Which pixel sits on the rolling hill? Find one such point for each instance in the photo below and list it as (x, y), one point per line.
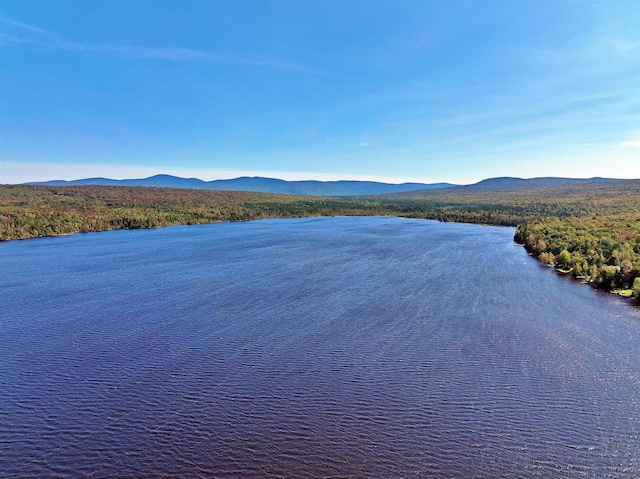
(258, 184)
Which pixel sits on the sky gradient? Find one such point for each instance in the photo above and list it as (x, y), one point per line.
(394, 91)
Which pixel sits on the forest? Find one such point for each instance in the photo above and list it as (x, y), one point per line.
(590, 231)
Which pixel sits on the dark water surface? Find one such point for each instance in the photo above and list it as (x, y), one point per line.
(346, 347)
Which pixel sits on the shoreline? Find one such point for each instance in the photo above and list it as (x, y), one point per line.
(622, 293)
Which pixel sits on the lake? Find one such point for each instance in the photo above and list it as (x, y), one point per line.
(308, 348)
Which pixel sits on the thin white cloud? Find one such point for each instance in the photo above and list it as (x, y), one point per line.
(24, 33)
(26, 27)
(174, 54)
(632, 143)
(13, 172)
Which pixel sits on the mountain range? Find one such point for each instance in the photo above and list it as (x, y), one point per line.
(328, 188)
(259, 184)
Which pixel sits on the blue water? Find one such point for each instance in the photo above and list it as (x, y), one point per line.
(325, 347)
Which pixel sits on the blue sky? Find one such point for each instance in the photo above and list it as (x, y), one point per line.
(394, 91)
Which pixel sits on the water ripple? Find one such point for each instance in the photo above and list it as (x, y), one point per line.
(345, 347)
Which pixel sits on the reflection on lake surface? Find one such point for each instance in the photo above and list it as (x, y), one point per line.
(344, 347)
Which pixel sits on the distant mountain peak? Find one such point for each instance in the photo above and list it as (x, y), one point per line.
(260, 184)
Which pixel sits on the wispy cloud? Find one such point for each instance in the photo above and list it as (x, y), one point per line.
(632, 143)
(23, 33)
(26, 27)
(174, 54)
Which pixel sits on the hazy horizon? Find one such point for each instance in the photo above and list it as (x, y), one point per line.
(381, 91)
(323, 178)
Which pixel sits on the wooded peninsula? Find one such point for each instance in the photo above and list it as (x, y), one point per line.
(589, 229)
